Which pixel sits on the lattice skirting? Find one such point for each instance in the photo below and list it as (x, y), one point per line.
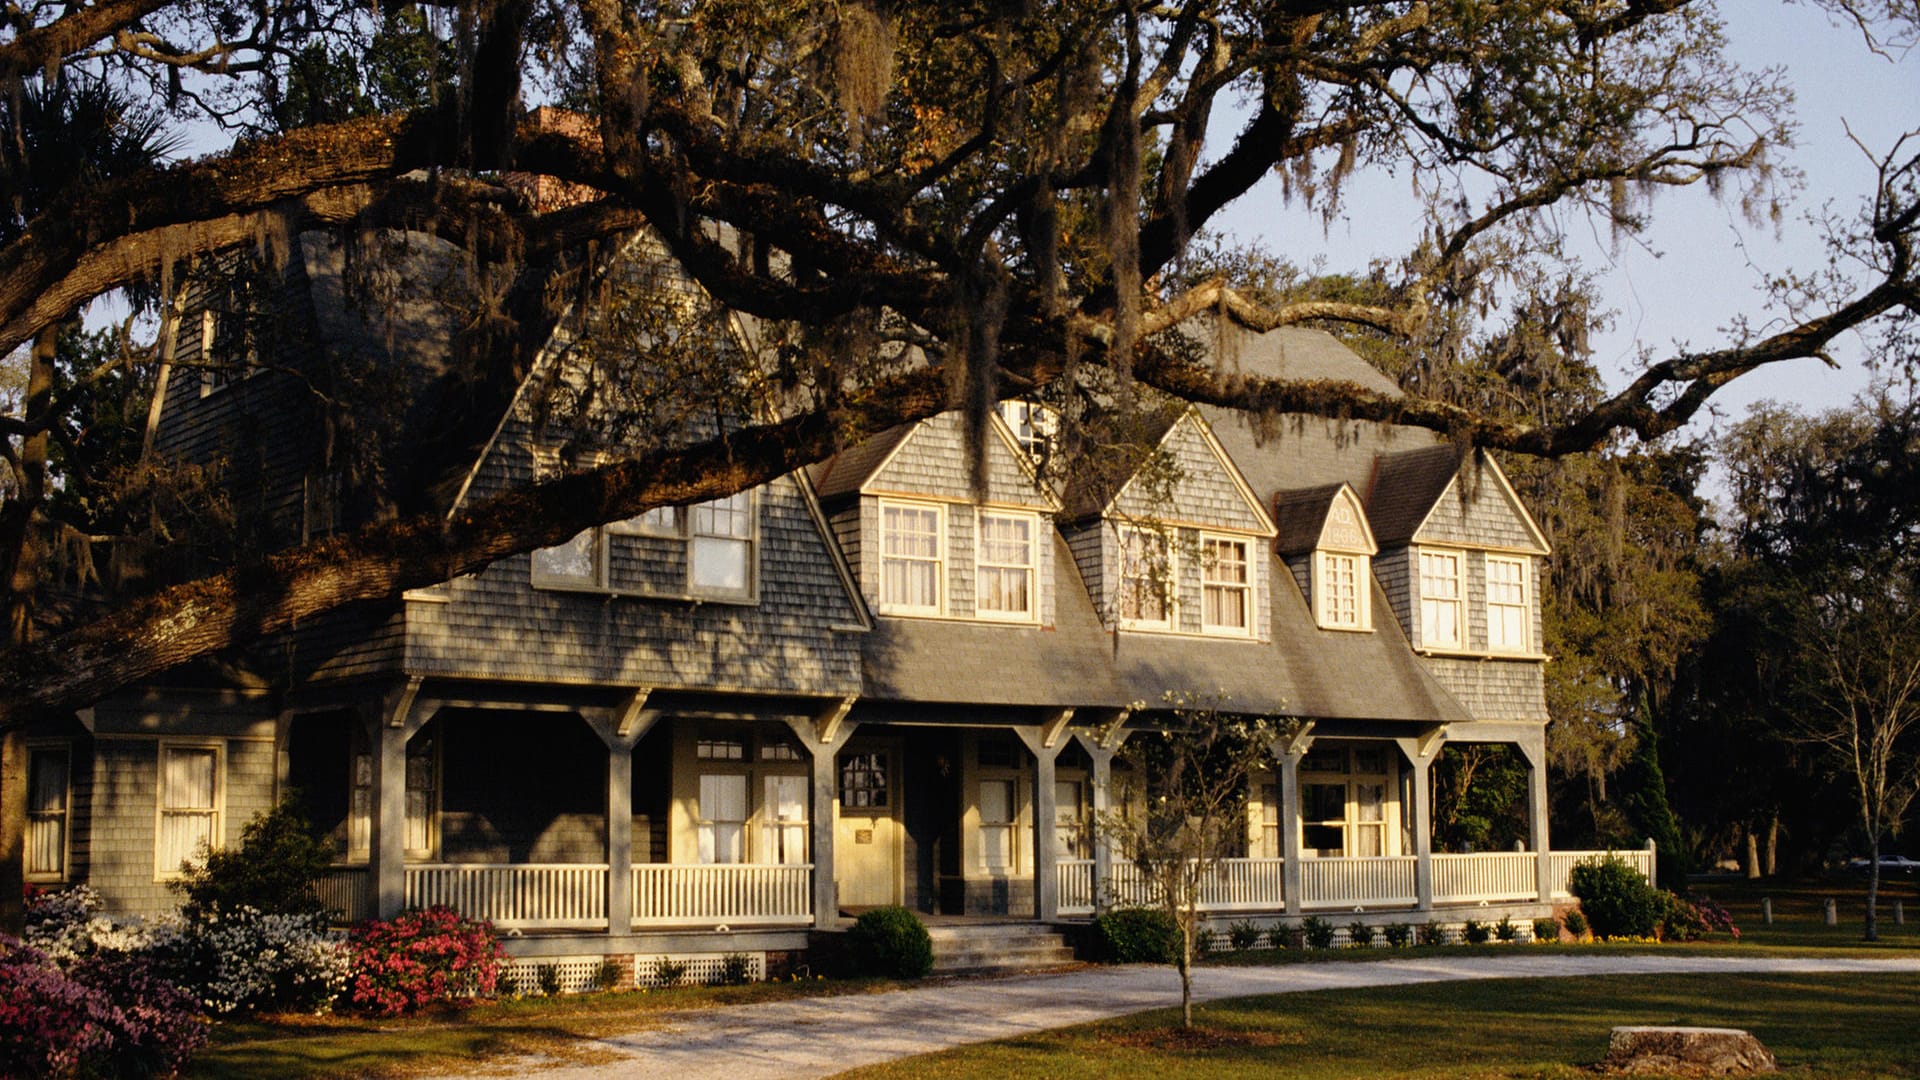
(700, 969)
(575, 974)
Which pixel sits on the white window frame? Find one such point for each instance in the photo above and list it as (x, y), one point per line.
(750, 572)
(1519, 609)
(422, 816)
(64, 815)
(664, 521)
(215, 377)
(1031, 567)
(162, 810)
(776, 831)
(1431, 604)
(1170, 587)
(1032, 426)
(1008, 830)
(707, 827)
(938, 559)
(1326, 599)
(1209, 566)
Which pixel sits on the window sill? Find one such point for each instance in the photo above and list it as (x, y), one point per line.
(1480, 654)
(734, 600)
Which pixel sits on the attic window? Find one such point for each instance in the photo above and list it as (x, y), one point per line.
(1146, 580)
(227, 350)
(1506, 604)
(1340, 600)
(1032, 425)
(1440, 601)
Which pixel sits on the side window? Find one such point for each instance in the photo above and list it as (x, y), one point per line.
(189, 806)
(1507, 604)
(1440, 614)
(49, 800)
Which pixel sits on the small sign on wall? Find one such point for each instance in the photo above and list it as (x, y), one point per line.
(863, 836)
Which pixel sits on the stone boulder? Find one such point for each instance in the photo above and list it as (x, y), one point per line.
(1699, 1051)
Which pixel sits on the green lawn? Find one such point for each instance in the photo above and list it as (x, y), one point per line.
(1849, 1027)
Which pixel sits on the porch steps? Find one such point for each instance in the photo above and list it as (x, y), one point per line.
(1011, 946)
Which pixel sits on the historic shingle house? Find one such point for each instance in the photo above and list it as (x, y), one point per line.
(880, 680)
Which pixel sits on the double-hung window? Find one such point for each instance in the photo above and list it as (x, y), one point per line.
(720, 549)
(1226, 586)
(575, 564)
(1342, 604)
(1506, 604)
(189, 806)
(1146, 579)
(784, 817)
(1440, 600)
(911, 558)
(996, 825)
(1005, 570)
(722, 818)
(49, 791)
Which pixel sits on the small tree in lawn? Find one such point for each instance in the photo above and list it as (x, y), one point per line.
(1184, 807)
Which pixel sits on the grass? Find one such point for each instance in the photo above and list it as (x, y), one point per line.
(1842, 1027)
(300, 1047)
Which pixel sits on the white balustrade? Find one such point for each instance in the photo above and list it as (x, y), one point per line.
(734, 894)
(1074, 880)
(1357, 882)
(1243, 885)
(344, 893)
(1563, 862)
(1492, 876)
(545, 896)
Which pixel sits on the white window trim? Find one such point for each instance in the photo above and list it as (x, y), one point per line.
(939, 560)
(1246, 589)
(162, 872)
(1525, 605)
(558, 583)
(1362, 587)
(1171, 586)
(1032, 567)
(748, 595)
(1458, 600)
(66, 813)
(638, 526)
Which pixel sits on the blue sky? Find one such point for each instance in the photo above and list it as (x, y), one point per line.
(1703, 262)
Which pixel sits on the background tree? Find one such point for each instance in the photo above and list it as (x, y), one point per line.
(1183, 807)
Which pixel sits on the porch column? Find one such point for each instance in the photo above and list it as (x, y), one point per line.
(823, 736)
(1535, 751)
(1044, 743)
(391, 721)
(620, 728)
(1292, 873)
(1419, 753)
(1102, 760)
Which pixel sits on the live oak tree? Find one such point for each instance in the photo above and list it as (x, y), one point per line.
(916, 207)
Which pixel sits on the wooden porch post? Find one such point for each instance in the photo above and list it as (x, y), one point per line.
(1102, 759)
(1045, 743)
(823, 735)
(1535, 751)
(621, 728)
(393, 723)
(1288, 752)
(1419, 753)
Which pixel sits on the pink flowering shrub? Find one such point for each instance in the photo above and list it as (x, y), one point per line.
(419, 958)
(1693, 917)
(110, 1015)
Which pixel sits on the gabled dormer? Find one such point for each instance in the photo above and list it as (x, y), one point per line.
(1326, 541)
(1180, 548)
(1463, 556)
(924, 543)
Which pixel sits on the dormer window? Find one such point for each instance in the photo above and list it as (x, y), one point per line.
(1342, 566)
(912, 558)
(1341, 600)
(721, 539)
(1032, 425)
(1506, 604)
(1441, 617)
(1005, 571)
(720, 548)
(1146, 580)
(1226, 586)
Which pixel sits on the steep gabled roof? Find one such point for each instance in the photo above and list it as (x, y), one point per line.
(1294, 353)
(1302, 518)
(845, 472)
(929, 458)
(1187, 428)
(1405, 488)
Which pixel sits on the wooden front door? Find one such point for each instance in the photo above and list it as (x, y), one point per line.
(867, 836)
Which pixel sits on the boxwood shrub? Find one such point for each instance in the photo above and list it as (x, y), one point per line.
(1617, 901)
(890, 941)
(1135, 936)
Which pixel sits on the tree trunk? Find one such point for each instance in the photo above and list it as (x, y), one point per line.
(1873, 889)
(22, 557)
(1773, 844)
(1186, 975)
(1753, 853)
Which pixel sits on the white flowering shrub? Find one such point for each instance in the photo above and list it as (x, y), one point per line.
(251, 961)
(69, 927)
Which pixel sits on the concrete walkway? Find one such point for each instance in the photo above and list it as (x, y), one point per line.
(816, 1037)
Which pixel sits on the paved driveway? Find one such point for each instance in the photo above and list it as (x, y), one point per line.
(815, 1037)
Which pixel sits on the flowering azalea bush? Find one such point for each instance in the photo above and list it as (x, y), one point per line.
(1691, 918)
(254, 961)
(111, 1014)
(68, 927)
(422, 957)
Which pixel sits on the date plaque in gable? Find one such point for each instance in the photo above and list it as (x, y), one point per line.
(863, 836)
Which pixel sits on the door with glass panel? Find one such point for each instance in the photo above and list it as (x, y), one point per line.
(867, 834)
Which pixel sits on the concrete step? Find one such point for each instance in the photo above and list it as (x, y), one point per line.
(997, 947)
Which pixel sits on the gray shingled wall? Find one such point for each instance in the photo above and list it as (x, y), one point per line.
(960, 554)
(1493, 689)
(1089, 541)
(934, 462)
(496, 625)
(1394, 569)
(1475, 512)
(1206, 493)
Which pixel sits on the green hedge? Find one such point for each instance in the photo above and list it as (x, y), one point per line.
(1617, 901)
(1135, 936)
(890, 941)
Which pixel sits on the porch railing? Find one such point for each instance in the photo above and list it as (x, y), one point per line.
(522, 896)
(1073, 878)
(1563, 862)
(343, 890)
(1357, 881)
(1243, 885)
(734, 894)
(1493, 876)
